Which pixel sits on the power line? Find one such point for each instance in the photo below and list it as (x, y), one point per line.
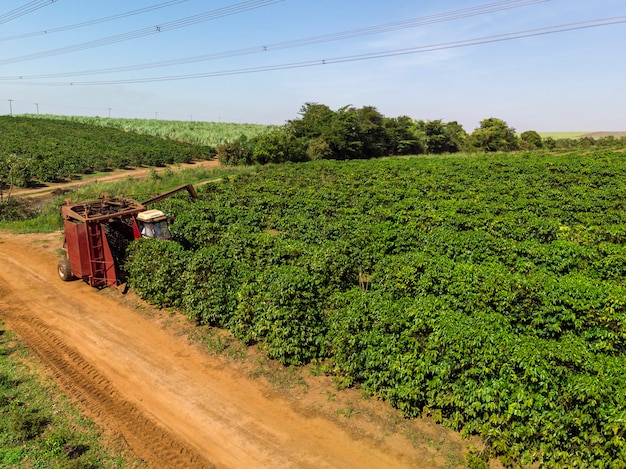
(370, 56)
(92, 22)
(24, 10)
(98, 109)
(351, 34)
(155, 29)
(29, 103)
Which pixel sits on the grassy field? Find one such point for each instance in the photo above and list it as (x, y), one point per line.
(580, 134)
(559, 135)
(197, 133)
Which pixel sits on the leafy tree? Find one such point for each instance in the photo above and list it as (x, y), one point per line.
(315, 121)
(329, 134)
(344, 135)
(318, 149)
(403, 136)
(550, 143)
(234, 153)
(14, 171)
(276, 146)
(353, 133)
(372, 132)
(494, 135)
(442, 137)
(457, 136)
(530, 140)
(587, 142)
(436, 140)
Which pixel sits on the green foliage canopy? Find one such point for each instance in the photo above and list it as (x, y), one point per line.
(494, 135)
(486, 291)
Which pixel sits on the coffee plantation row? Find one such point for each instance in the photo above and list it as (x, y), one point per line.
(486, 291)
(46, 150)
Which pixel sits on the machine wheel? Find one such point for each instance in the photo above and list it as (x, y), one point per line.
(65, 270)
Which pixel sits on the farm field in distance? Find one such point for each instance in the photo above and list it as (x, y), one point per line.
(195, 132)
(556, 135)
(580, 134)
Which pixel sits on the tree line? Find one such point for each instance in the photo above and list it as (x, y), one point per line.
(321, 133)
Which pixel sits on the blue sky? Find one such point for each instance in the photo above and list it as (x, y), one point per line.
(563, 81)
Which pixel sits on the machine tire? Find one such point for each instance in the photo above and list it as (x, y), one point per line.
(65, 270)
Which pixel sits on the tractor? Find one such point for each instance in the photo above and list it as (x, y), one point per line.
(97, 234)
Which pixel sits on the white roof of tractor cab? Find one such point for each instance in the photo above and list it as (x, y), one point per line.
(151, 216)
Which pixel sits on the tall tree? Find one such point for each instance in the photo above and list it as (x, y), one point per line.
(315, 120)
(494, 135)
(530, 140)
(403, 136)
(457, 137)
(442, 137)
(372, 132)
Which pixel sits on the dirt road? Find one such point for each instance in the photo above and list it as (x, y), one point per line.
(110, 177)
(175, 406)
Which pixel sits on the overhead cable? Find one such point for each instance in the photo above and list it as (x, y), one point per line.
(24, 10)
(614, 20)
(92, 22)
(343, 35)
(155, 29)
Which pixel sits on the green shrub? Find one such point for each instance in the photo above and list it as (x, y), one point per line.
(156, 269)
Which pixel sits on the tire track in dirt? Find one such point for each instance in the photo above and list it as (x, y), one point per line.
(98, 398)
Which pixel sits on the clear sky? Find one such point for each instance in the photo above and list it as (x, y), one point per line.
(259, 61)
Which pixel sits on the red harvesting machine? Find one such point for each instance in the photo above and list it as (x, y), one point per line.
(97, 234)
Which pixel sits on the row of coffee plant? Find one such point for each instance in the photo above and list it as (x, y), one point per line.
(43, 150)
(486, 291)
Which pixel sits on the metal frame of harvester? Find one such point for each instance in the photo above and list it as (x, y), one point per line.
(98, 232)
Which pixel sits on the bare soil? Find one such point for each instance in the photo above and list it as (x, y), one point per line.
(135, 371)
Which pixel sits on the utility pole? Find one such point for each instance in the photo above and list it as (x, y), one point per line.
(109, 112)
(37, 104)
(10, 107)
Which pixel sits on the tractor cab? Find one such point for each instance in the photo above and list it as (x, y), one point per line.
(153, 224)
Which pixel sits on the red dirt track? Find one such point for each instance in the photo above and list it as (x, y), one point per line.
(175, 406)
(111, 177)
